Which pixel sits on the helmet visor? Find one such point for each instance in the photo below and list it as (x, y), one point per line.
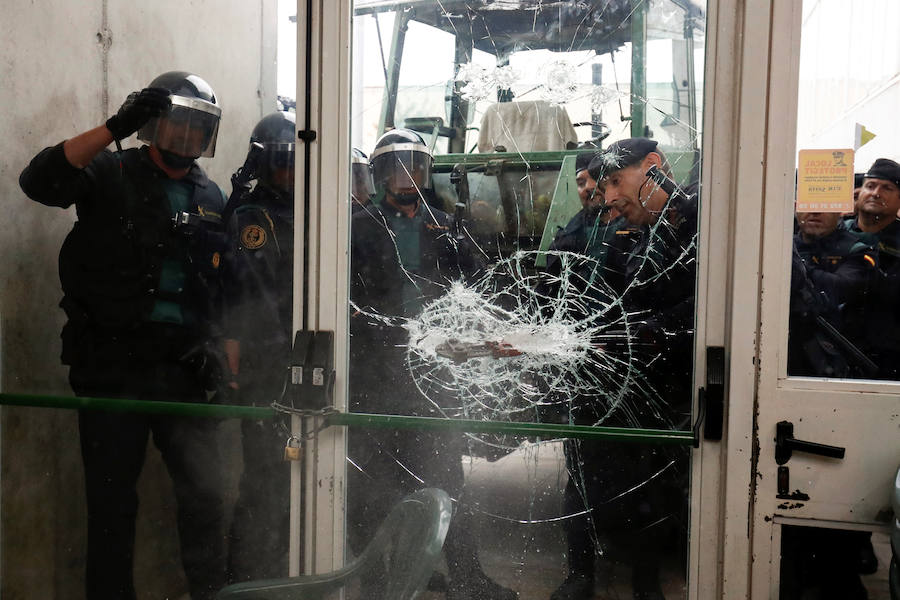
(188, 128)
(361, 184)
(400, 169)
(275, 157)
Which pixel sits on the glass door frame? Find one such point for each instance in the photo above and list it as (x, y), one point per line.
(717, 510)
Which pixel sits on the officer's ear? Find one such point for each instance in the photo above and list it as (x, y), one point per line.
(652, 159)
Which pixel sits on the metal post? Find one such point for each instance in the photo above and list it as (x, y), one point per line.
(639, 68)
(392, 85)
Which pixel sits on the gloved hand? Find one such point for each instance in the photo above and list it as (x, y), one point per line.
(137, 109)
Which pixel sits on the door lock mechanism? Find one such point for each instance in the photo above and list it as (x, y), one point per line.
(786, 443)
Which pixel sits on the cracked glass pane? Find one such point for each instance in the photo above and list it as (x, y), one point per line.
(523, 262)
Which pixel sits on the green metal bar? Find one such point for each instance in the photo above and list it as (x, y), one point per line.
(445, 162)
(459, 108)
(392, 85)
(188, 409)
(638, 68)
(547, 430)
(181, 409)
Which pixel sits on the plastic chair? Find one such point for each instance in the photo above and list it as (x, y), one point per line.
(404, 552)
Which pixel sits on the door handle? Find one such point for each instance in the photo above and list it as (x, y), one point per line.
(785, 443)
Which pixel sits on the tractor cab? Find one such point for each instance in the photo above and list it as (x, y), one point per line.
(506, 94)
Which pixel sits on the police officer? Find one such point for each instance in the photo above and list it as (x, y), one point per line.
(833, 268)
(139, 273)
(590, 232)
(362, 189)
(258, 291)
(872, 322)
(403, 254)
(631, 493)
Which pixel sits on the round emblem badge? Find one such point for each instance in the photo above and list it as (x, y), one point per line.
(215, 260)
(253, 237)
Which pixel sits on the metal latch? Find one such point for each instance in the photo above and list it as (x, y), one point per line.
(312, 370)
(712, 395)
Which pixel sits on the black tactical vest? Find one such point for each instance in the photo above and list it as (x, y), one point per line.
(111, 262)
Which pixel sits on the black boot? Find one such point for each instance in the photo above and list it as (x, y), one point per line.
(577, 586)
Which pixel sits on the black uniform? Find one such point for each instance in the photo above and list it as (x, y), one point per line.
(398, 264)
(587, 235)
(258, 291)
(141, 300)
(828, 272)
(634, 493)
(872, 321)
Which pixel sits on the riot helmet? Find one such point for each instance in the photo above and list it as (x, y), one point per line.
(190, 126)
(276, 132)
(401, 165)
(361, 187)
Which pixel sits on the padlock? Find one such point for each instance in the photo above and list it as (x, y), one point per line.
(293, 450)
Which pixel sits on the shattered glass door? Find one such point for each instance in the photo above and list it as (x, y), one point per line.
(523, 261)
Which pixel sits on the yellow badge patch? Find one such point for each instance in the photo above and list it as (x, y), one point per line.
(253, 237)
(215, 260)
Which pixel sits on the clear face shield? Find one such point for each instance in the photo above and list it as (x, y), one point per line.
(276, 166)
(361, 186)
(188, 128)
(402, 169)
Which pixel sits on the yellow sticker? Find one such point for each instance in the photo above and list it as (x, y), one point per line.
(825, 181)
(253, 237)
(215, 260)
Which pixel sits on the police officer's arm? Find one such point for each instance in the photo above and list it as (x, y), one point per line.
(233, 358)
(81, 149)
(52, 180)
(55, 178)
(852, 278)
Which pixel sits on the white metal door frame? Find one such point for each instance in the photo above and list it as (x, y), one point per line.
(850, 402)
(321, 232)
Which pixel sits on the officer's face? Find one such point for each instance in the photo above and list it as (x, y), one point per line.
(588, 193)
(282, 178)
(629, 191)
(879, 198)
(817, 224)
(405, 183)
(180, 138)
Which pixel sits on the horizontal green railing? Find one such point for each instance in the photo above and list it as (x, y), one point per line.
(151, 407)
(188, 409)
(543, 430)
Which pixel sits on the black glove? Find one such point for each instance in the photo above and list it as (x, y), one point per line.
(137, 109)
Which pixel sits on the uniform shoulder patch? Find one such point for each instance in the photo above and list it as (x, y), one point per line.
(253, 237)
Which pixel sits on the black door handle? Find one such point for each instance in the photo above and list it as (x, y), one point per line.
(785, 443)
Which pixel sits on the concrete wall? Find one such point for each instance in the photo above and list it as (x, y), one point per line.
(64, 67)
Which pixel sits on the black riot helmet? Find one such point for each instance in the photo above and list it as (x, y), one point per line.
(361, 187)
(276, 132)
(190, 126)
(401, 165)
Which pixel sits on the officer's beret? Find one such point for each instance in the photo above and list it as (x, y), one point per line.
(583, 160)
(858, 179)
(621, 154)
(884, 168)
